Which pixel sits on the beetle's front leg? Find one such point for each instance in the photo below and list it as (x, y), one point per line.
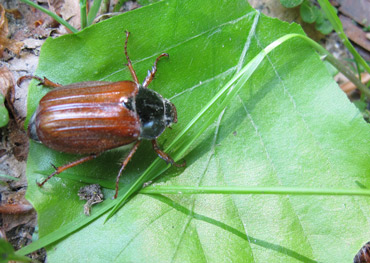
(164, 156)
(151, 73)
(44, 82)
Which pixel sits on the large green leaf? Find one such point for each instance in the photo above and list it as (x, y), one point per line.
(289, 126)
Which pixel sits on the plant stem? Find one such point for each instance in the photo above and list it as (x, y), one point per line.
(105, 6)
(118, 6)
(83, 13)
(338, 27)
(48, 12)
(336, 63)
(94, 9)
(349, 74)
(252, 190)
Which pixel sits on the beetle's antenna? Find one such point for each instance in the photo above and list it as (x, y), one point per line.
(129, 64)
(151, 73)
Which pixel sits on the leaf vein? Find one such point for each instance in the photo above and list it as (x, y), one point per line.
(273, 166)
(138, 233)
(181, 43)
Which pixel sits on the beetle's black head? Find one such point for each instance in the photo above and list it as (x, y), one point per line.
(155, 113)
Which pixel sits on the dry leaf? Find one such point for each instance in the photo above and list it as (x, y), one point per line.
(9, 44)
(70, 12)
(10, 221)
(7, 85)
(14, 12)
(6, 81)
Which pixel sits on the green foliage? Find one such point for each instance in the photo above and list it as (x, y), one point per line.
(4, 115)
(7, 253)
(331, 14)
(362, 106)
(147, 2)
(310, 13)
(8, 177)
(291, 3)
(94, 9)
(331, 69)
(289, 126)
(323, 24)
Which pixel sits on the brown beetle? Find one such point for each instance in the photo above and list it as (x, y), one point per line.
(95, 116)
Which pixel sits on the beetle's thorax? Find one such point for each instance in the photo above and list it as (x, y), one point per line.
(155, 113)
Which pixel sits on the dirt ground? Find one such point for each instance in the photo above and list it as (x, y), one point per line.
(27, 29)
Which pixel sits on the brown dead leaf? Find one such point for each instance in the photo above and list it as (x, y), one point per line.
(9, 44)
(355, 33)
(12, 220)
(15, 208)
(18, 140)
(14, 12)
(55, 5)
(6, 80)
(7, 85)
(357, 10)
(70, 12)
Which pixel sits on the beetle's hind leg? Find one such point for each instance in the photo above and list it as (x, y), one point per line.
(152, 72)
(60, 169)
(129, 64)
(164, 156)
(44, 82)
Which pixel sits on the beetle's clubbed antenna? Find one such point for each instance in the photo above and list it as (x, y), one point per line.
(129, 64)
(152, 72)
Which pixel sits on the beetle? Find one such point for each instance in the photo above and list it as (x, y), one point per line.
(89, 118)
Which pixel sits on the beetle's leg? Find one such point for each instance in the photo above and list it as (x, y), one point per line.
(44, 82)
(165, 156)
(124, 163)
(60, 169)
(152, 72)
(129, 64)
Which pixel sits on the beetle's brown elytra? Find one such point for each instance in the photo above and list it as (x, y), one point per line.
(92, 117)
